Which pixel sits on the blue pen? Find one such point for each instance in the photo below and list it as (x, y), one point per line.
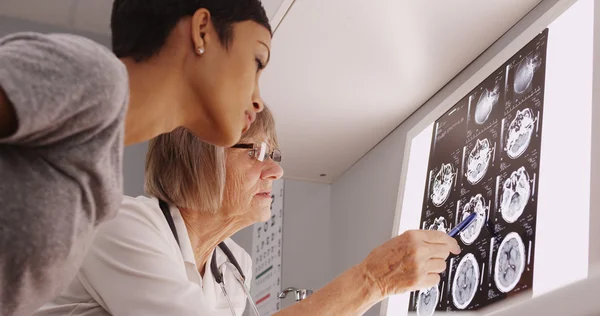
(463, 225)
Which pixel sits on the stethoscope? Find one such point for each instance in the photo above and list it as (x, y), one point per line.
(217, 273)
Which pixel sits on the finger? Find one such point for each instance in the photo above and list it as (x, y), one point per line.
(438, 237)
(455, 248)
(438, 251)
(452, 247)
(435, 266)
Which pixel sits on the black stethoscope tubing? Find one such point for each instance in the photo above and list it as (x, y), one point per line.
(213, 264)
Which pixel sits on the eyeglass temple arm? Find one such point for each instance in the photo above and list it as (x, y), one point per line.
(250, 146)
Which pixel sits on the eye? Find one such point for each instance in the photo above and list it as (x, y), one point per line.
(259, 65)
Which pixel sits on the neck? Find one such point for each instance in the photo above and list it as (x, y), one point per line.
(206, 231)
(154, 100)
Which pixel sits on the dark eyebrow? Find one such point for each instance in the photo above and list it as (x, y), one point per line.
(268, 50)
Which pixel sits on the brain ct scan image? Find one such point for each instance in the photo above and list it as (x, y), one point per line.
(519, 133)
(487, 100)
(476, 205)
(515, 195)
(466, 280)
(481, 160)
(478, 161)
(439, 224)
(510, 262)
(427, 301)
(442, 184)
(524, 73)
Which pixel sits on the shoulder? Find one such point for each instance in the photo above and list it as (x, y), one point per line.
(138, 232)
(141, 207)
(67, 50)
(64, 64)
(137, 216)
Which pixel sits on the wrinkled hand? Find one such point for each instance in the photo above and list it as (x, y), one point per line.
(409, 262)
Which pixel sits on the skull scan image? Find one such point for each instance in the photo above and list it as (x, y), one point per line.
(442, 185)
(427, 301)
(466, 280)
(510, 262)
(515, 195)
(519, 133)
(487, 100)
(524, 73)
(476, 205)
(478, 161)
(439, 224)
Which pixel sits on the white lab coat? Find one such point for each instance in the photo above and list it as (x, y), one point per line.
(135, 267)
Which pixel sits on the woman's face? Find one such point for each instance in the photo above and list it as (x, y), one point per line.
(248, 184)
(225, 79)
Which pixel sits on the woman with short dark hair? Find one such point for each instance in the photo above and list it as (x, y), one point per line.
(68, 105)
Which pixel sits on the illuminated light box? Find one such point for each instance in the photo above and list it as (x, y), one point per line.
(516, 150)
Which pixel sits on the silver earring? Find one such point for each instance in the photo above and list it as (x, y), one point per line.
(200, 50)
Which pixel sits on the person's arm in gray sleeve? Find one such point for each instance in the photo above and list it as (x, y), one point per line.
(59, 86)
(63, 101)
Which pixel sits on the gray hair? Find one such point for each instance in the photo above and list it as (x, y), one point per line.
(184, 171)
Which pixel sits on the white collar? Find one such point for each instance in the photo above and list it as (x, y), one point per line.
(212, 291)
(187, 251)
(185, 245)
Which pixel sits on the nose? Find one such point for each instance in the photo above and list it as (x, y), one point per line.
(271, 170)
(257, 100)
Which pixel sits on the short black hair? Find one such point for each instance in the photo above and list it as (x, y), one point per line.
(140, 27)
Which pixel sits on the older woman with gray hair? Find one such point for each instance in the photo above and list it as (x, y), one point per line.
(171, 253)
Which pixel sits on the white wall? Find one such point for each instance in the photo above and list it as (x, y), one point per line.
(594, 254)
(134, 160)
(10, 25)
(306, 240)
(363, 201)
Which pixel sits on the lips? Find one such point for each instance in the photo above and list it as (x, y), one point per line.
(266, 194)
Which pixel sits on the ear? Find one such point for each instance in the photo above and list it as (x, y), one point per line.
(201, 26)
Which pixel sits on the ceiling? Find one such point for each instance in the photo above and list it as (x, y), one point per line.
(93, 15)
(344, 73)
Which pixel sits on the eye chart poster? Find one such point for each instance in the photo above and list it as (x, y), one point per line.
(484, 159)
(266, 256)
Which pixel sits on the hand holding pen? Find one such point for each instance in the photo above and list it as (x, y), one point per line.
(411, 261)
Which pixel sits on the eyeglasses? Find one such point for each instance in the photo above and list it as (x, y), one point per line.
(261, 151)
